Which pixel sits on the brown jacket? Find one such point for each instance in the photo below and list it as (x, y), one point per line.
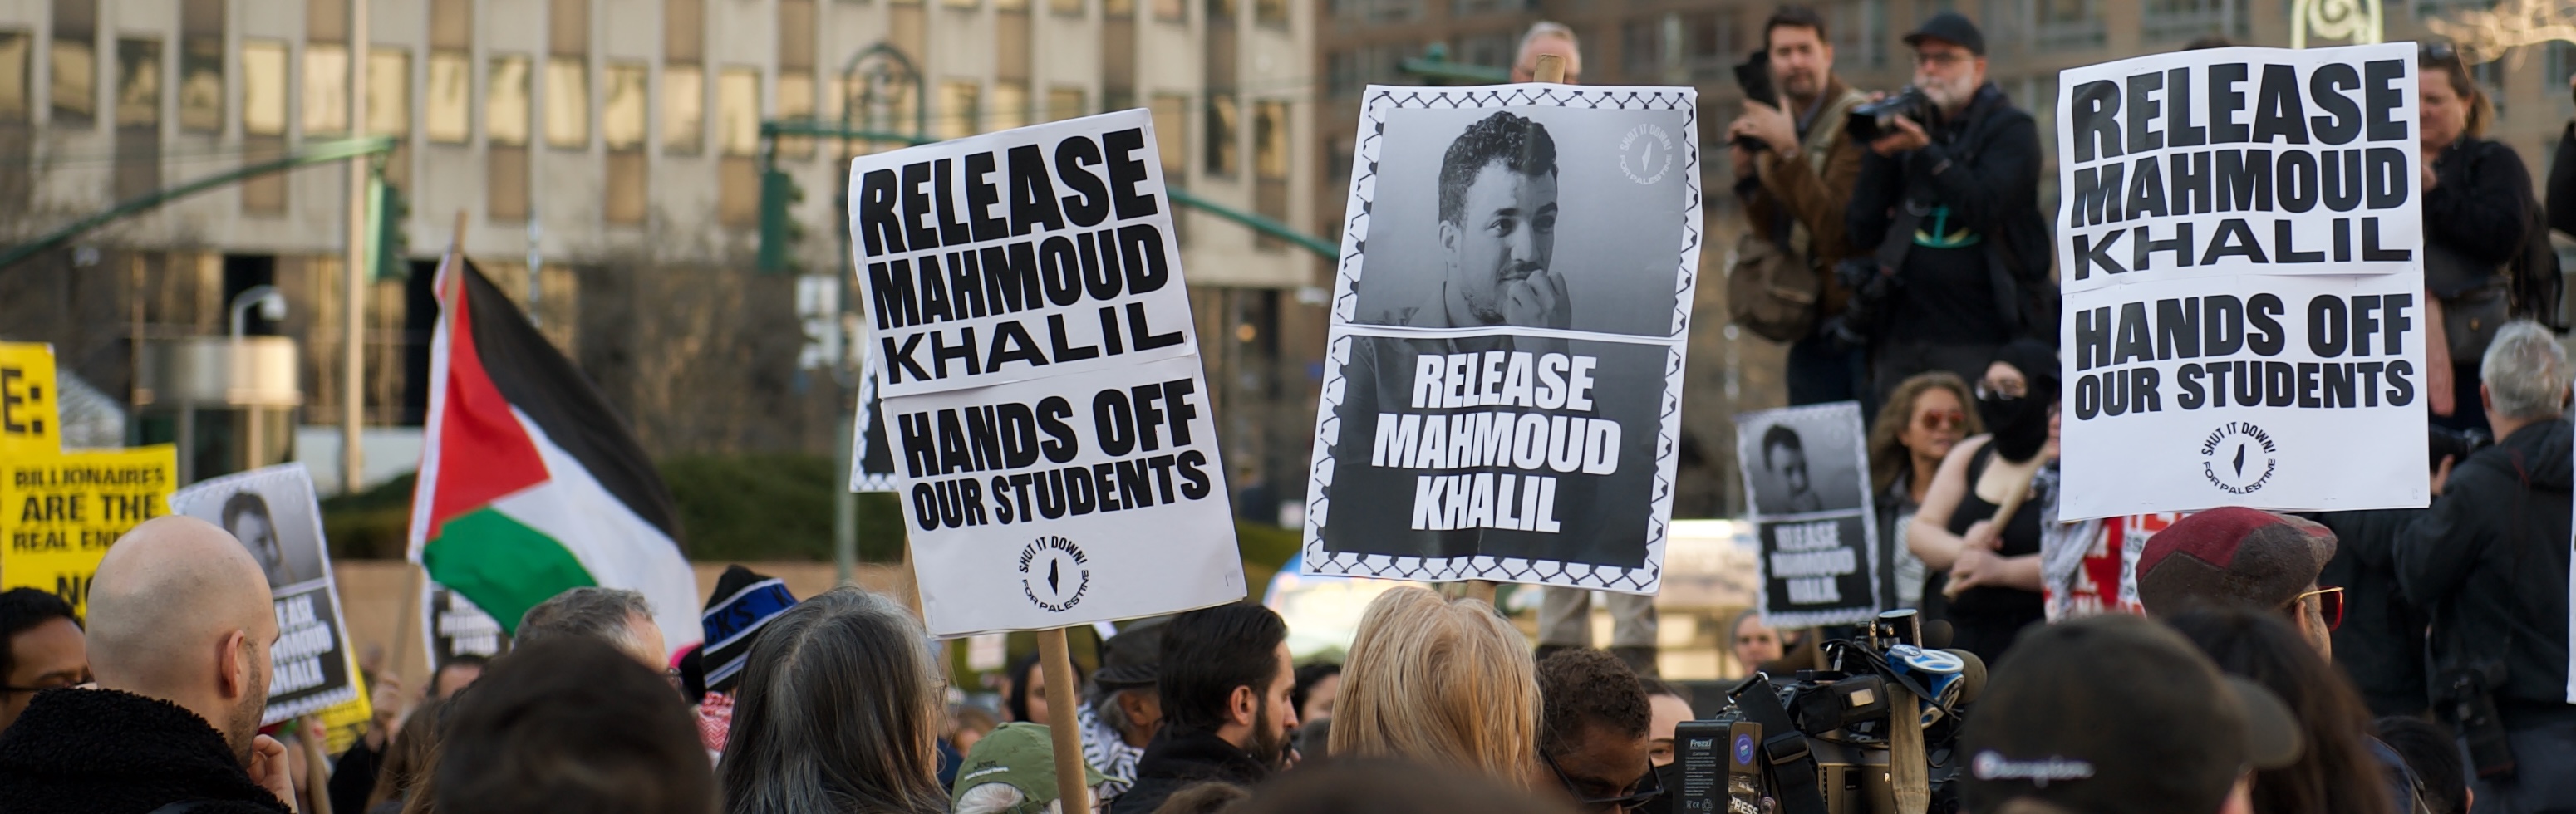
(1814, 188)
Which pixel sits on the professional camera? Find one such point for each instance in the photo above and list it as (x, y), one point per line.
(2458, 445)
(1870, 120)
(1754, 76)
(1834, 740)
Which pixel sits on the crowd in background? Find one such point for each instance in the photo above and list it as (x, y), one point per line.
(2231, 660)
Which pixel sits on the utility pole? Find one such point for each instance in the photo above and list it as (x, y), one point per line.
(353, 370)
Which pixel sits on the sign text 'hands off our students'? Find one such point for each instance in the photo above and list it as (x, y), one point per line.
(1038, 392)
(2242, 245)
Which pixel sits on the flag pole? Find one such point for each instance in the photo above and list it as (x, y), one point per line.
(1057, 660)
(407, 634)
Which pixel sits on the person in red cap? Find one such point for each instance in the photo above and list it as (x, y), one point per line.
(2233, 555)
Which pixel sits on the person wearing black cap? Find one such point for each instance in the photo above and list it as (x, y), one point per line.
(1948, 201)
(1119, 715)
(1979, 529)
(2115, 714)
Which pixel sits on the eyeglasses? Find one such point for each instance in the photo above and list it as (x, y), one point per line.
(2329, 605)
(1940, 59)
(1943, 419)
(1639, 792)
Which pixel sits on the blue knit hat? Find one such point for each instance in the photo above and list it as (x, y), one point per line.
(743, 603)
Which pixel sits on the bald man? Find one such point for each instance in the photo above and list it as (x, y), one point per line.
(180, 627)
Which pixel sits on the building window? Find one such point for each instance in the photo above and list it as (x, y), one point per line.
(1270, 12)
(389, 92)
(74, 60)
(15, 48)
(1860, 32)
(956, 115)
(1172, 11)
(451, 97)
(738, 111)
(263, 70)
(1222, 116)
(1374, 11)
(2171, 20)
(1641, 48)
(505, 102)
(201, 66)
(2067, 25)
(684, 78)
(138, 86)
(568, 75)
(796, 101)
(622, 109)
(1064, 103)
(1270, 166)
(1118, 8)
(1071, 7)
(684, 109)
(326, 88)
(1171, 112)
(1010, 107)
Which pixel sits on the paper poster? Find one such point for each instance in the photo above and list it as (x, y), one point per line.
(871, 456)
(1806, 475)
(2241, 252)
(1035, 360)
(274, 513)
(61, 510)
(1502, 384)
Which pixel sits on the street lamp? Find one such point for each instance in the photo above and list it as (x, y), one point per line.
(270, 302)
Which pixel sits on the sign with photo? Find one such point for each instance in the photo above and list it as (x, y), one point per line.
(1502, 386)
(1036, 368)
(273, 512)
(1806, 475)
(2242, 254)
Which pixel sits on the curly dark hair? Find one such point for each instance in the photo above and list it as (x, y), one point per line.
(1780, 436)
(1520, 145)
(1584, 687)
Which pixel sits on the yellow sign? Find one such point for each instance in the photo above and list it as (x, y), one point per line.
(28, 424)
(59, 511)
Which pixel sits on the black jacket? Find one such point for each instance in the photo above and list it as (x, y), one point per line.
(2477, 210)
(112, 752)
(1178, 759)
(1984, 165)
(2488, 562)
(2381, 643)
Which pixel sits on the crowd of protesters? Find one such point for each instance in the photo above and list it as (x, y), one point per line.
(2230, 660)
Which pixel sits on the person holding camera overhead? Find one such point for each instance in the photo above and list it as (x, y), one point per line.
(1946, 210)
(1794, 168)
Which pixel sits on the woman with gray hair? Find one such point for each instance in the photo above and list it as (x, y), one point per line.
(838, 712)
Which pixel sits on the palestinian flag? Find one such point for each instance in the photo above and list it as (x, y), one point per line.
(529, 483)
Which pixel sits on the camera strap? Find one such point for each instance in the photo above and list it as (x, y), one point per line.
(1793, 764)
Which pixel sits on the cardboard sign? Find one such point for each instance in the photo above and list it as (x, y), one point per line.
(60, 511)
(1502, 385)
(2243, 261)
(274, 513)
(1806, 474)
(1037, 368)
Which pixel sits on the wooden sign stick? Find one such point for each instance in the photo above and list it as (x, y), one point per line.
(1062, 696)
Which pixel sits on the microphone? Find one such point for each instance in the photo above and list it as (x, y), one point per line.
(1936, 634)
(1972, 676)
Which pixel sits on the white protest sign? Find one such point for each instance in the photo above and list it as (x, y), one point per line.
(274, 513)
(2242, 259)
(1806, 474)
(1502, 384)
(1034, 357)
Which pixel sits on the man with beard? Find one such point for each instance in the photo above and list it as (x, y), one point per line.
(180, 627)
(1225, 678)
(1950, 205)
(1796, 188)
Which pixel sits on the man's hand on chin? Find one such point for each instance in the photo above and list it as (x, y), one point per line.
(1538, 301)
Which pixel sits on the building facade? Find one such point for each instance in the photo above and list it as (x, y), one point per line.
(616, 145)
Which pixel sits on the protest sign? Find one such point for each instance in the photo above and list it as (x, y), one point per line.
(1806, 475)
(453, 626)
(1488, 412)
(274, 514)
(2242, 258)
(1037, 369)
(61, 510)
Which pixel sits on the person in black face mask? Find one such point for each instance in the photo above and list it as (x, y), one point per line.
(1979, 529)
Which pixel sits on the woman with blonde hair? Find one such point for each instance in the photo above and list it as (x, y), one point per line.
(1440, 681)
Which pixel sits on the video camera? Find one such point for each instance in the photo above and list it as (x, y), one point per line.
(1870, 120)
(1832, 741)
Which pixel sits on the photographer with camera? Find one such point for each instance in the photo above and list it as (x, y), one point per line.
(1948, 202)
(1794, 168)
(2489, 562)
